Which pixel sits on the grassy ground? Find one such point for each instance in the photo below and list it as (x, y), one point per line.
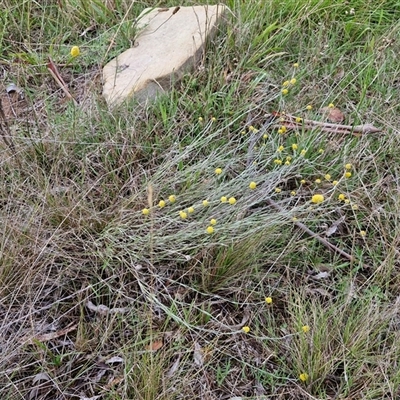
(99, 301)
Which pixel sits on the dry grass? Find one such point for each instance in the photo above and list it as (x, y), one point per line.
(99, 301)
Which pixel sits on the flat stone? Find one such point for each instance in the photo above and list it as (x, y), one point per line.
(170, 42)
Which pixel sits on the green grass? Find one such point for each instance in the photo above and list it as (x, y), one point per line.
(89, 285)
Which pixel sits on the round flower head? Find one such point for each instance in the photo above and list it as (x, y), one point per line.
(305, 328)
(190, 210)
(218, 171)
(268, 300)
(224, 199)
(303, 377)
(285, 91)
(75, 51)
(348, 166)
(246, 329)
(232, 200)
(252, 185)
(213, 221)
(172, 198)
(183, 214)
(161, 204)
(317, 198)
(205, 203)
(210, 230)
(145, 211)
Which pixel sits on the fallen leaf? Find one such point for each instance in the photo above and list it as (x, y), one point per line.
(333, 114)
(198, 355)
(154, 346)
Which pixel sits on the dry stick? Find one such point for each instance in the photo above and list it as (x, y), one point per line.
(313, 234)
(290, 120)
(60, 81)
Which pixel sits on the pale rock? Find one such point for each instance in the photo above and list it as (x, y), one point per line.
(170, 42)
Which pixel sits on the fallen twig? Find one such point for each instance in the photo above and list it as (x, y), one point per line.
(292, 122)
(60, 81)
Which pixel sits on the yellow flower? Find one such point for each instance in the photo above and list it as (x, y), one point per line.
(334, 183)
(251, 128)
(327, 177)
(303, 181)
(341, 197)
(224, 199)
(268, 300)
(75, 51)
(347, 174)
(293, 81)
(294, 147)
(205, 203)
(295, 65)
(213, 119)
(331, 105)
(246, 329)
(218, 171)
(317, 198)
(286, 83)
(190, 210)
(285, 91)
(298, 119)
(363, 233)
(252, 185)
(288, 158)
(277, 190)
(303, 377)
(354, 207)
(293, 193)
(283, 128)
(309, 107)
(213, 221)
(232, 200)
(200, 119)
(243, 132)
(318, 180)
(161, 204)
(280, 149)
(347, 201)
(183, 214)
(287, 162)
(265, 136)
(145, 211)
(295, 219)
(303, 152)
(348, 166)
(280, 131)
(210, 230)
(305, 328)
(320, 151)
(172, 198)
(278, 161)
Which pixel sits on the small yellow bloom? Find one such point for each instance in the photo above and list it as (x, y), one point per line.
(317, 198)
(309, 107)
(210, 230)
(277, 190)
(293, 81)
(288, 158)
(251, 128)
(321, 151)
(232, 200)
(268, 300)
(318, 181)
(327, 177)
(205, 203)
(280, 149)
(305, 328)
(334, 183)
(218, 171)
(213, 119)
(183, 214)
(296, 65)
(200, 119)
(172, 198)
(341, 197)
(303, 181)
(294, 147)
(295, 219)
(213, 221)
(265, 136)
(252, 185)
(278, 161)
(347, 174)
(161, 204)
(246, 329)
(354, 207)
(286, 83)
(287, 162)
(303, 152)
(363, 234)
(331, 105)
(224, 199)
(190, 210)
(303, 377)
(75, 51)
(348, 166)
(347, 201)
(293, 193)
(280, 131)
(298, 119)
(145, 211)
(243, 132)
(283, 128)
(285, 91)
